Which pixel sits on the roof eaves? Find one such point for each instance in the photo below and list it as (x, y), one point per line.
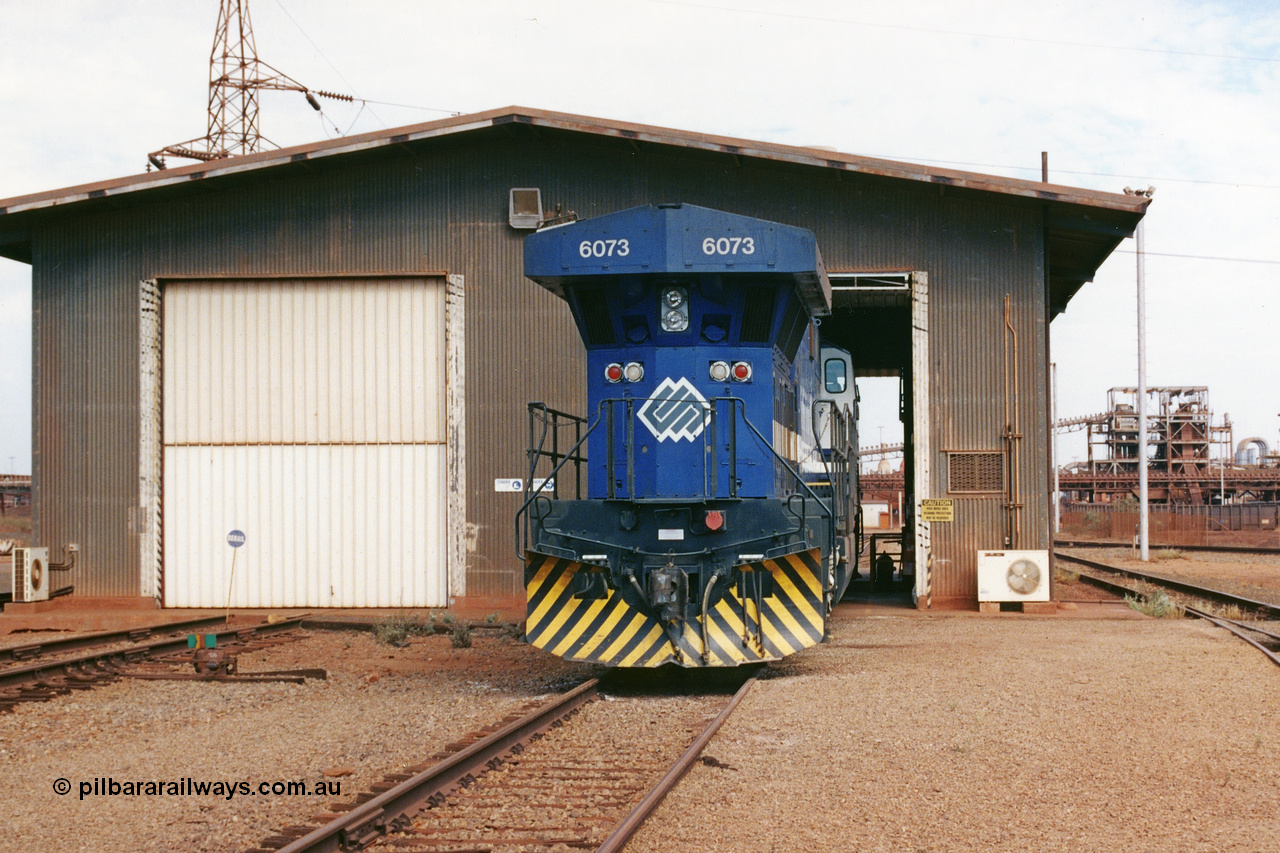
(836, 160)
(644, 133)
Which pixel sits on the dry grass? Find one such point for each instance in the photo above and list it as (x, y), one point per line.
(1157, 604)
(1065, 575)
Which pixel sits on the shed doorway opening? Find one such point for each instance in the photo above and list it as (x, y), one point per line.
(882, 319)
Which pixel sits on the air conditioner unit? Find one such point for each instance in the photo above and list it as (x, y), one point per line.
(30, 574)
(1013, 576)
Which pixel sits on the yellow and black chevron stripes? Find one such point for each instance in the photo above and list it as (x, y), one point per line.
(740, 628)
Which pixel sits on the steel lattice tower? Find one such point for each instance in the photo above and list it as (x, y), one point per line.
(236, 75)
(234, 79)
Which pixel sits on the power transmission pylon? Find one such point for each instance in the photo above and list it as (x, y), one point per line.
(236, 75)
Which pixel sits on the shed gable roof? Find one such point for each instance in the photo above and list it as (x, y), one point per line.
(1082, 226)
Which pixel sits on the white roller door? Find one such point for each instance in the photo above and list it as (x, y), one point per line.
(311, 416)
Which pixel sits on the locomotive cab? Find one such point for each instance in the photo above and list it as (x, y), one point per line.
(718, 505)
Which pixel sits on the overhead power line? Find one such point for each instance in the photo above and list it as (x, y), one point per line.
(1202, 257)
(1036, 169)
(350, 88)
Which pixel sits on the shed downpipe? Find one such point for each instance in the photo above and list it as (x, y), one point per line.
(1013, 431)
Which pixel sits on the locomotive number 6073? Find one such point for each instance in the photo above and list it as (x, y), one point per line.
(605, 248)
(729, 246)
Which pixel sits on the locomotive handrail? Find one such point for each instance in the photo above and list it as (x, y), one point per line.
(826, 509)
(841, 450)
(740, 403)
(604, 414)
(531, 494)
(552, 421)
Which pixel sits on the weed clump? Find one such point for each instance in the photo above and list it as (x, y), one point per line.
(1064, 575)
(1233, 612)
(396, 630)
(1158, 604)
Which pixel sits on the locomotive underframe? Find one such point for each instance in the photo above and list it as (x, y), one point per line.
(752, 587)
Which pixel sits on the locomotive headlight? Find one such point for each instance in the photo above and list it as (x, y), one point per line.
(675, 309)
(634, 371)
(719, 371)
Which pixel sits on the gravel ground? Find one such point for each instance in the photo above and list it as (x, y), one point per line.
(1021, 733)
(1093, 729)
(382, 709)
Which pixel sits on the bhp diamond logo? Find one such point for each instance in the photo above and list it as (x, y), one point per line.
(675, 411)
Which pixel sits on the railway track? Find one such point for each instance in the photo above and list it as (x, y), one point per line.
(117, 654)
(1264, 609)
(551, 778)
(49, 647)
(1218, 549)
(1263, 635)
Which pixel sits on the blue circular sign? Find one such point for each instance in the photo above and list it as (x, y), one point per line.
(235, 538)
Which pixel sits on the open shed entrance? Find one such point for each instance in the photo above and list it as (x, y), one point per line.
(882, 319)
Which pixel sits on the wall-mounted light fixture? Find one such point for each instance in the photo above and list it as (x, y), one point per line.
(524, 207)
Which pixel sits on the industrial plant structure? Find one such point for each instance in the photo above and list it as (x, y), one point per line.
(1190, 458)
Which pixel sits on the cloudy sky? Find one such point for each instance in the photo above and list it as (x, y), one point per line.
(1184, 96)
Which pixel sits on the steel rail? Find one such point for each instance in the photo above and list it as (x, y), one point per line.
(1219, 549)
(646, 807)
(82, 641)
(1266, 607)
(1239, 629)
(100, 662)
(393, 809)
(1235, 627)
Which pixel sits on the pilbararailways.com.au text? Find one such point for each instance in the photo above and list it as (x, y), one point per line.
(188, 787)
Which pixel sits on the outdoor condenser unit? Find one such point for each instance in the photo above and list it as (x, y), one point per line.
(1013, 576)
(30, 574)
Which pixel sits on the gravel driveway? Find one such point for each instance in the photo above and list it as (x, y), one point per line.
(1017, 733)
(1094, 729)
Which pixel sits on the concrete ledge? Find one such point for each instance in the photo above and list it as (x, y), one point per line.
(1041, 608)
(74, 602)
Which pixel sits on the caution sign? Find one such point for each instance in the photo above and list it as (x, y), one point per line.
(937, 509)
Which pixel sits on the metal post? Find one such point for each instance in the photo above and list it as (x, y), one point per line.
(1144, 528)
(1053, 425)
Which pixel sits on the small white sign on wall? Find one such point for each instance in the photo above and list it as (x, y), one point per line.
(503, 484)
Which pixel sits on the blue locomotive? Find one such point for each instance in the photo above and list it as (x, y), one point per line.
(720, 520)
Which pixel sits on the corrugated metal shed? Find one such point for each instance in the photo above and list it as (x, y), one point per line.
(432, 199)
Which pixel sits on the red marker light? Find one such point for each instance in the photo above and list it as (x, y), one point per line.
(613, 373)
(741, 371)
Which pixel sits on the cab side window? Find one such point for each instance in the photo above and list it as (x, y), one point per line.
(835, 376)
